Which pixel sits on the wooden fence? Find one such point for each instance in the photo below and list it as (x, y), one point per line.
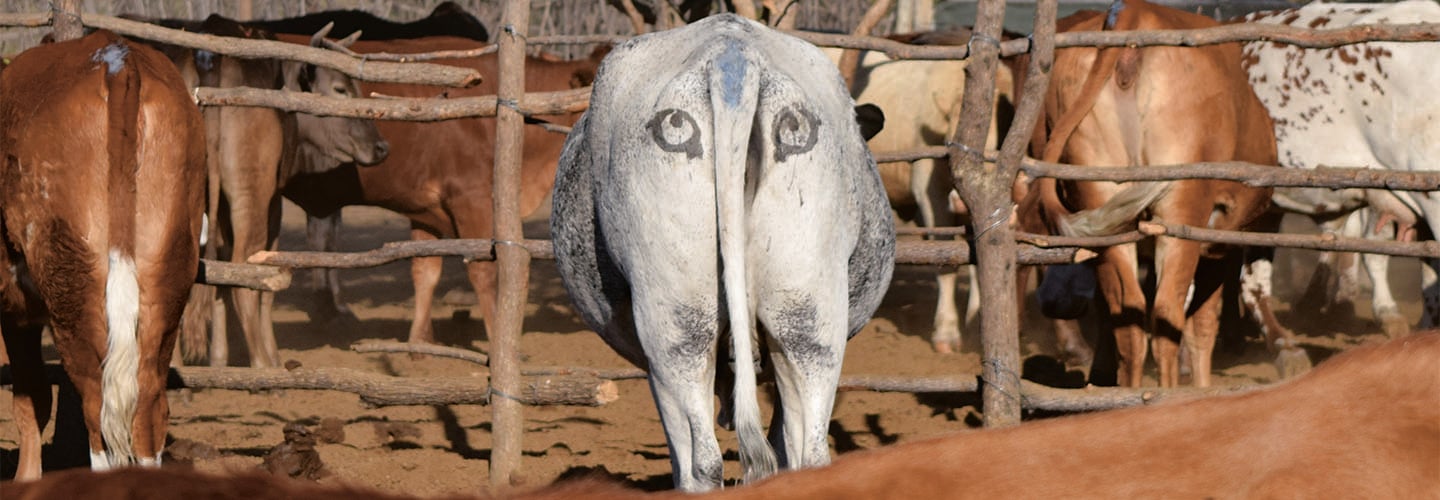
(997, 251)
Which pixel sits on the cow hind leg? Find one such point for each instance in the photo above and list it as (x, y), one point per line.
(806, 353)
(31, 394)
(1127, 305)
(425, 274)
(682, 371)
(322, 234)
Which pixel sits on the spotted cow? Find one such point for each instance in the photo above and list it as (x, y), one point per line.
(719, 179)
(1369, 105)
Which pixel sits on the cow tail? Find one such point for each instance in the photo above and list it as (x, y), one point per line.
(120, 368)
(1122, 64)
(734, 97)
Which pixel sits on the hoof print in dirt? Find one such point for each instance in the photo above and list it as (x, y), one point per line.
(296, 457)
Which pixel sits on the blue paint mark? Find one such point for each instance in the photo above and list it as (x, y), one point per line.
(113, 56)
(732, 66)
(1114, 13)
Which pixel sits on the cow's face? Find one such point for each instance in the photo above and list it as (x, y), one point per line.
(342, 139)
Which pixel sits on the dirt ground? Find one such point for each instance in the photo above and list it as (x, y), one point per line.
(435, 450)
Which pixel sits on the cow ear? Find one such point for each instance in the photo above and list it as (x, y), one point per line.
(871, 120)
(319, 39)
(349, 40)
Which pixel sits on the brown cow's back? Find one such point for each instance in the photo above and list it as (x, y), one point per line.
(101, 198)
(1365, 424)
(440, 174)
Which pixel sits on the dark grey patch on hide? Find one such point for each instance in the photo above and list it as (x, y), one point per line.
(797, 130)
(671, 123)
(697, 328)
(794, 326)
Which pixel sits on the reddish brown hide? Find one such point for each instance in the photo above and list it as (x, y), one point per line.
(439, 174)
(1155, 106)
(101, 188)
(252, 153)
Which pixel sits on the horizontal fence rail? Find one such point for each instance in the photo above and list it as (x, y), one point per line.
(378, 71)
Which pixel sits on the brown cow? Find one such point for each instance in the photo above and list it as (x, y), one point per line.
(1155, 106)
(439, 174)
(101, 188)
(253, 152)
(1365, 424)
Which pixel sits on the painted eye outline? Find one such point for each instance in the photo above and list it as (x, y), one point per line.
(676, 118)
(789, 121)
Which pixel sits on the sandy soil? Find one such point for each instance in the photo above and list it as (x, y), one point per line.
(435, 450)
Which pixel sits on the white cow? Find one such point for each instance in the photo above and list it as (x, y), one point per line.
(1369, 105)
(719, 180)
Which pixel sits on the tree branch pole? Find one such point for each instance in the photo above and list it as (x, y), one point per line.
(513, 260)
(375, 71)
(67, 24)
(986, 190)
(1333, 177)
(850, 59)
(263, 278)
(393, 108)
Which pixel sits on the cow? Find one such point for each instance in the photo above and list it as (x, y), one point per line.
(921, 100)
(438, 174)
(101, 193)
(446, 19)
(1154, 106)
(253, 152)
(1370, 105)
(719, 179)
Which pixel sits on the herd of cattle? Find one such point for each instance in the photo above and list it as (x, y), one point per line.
(717, 213)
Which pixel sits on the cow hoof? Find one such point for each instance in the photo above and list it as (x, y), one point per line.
(1292, 362)
(946, 346)
(1395, 326)
(1078, 358)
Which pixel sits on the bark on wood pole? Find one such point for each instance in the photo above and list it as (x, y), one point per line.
(66, 20)
(986, 190)
(514, 260)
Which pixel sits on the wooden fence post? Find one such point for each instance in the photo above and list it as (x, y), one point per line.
(514, 261)
(65, 15)
(986, 190)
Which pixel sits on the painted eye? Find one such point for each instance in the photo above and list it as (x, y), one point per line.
(675, 131)
(796, 132)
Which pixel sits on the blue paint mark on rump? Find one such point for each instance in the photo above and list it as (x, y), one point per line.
(113, 56)
(1113, 13)
(732, 72)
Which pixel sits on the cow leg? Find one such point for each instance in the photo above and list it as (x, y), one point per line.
(1203, 326)
(1377, 267)
(806, 354)
(484, 279)
(31, 393)
(1175, 265)
(1430, 293)
(162, 303)
(680, 345)
(931, 188)
(322, 234)
(425, 274)
(1127, 305)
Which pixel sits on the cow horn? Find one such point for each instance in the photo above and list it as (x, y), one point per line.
(349, 40)
(319, 38)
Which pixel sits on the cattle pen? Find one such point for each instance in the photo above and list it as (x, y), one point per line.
(994, 248)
